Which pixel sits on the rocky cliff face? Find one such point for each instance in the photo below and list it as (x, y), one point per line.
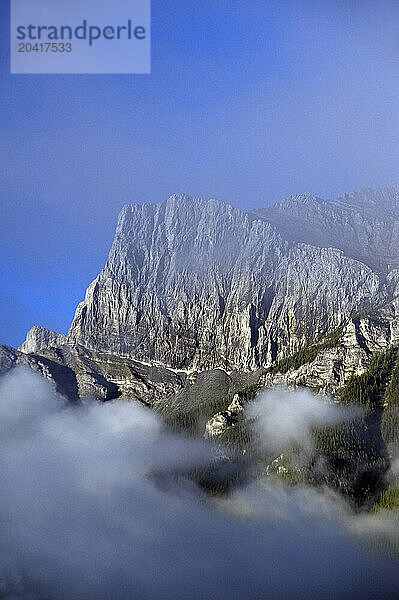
(201, 305)
(62, 378)
(199, 284)
(76, 373)
(364, 224)
(39, 338)
(330, 369)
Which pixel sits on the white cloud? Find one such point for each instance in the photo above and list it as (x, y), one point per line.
(83, 517)
(286, 417)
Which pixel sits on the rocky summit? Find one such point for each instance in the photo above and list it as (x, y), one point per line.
(198, 284)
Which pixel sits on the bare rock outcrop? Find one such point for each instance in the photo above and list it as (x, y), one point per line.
(361, 337)
(62, 378)
(197, 284)
(223, 420)
(363, 224)
(39, 338)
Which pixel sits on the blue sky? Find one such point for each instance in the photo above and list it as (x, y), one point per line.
(248, 101)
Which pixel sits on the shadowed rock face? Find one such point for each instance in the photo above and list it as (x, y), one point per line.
(61, 376)
(76, 373)
(199, 284)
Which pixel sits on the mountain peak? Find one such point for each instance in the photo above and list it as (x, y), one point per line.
(39, 337)
(196, 283)
(363, 224)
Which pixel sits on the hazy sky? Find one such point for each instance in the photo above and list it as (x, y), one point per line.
(248, 101)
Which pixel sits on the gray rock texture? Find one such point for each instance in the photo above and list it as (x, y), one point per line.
(195, 286)
(221, 421)
(361, 338)
(76, 373)
(199, 284)
(39, 338)
(364, 224)
(108, 377)
(62, 378)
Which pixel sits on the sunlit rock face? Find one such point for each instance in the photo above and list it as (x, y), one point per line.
(361, 338)
(198, 284)
(221, 421)
(39, 338)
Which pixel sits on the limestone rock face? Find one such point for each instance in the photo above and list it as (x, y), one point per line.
(107, 377)
(39, 338)
(364, 224)
(195, 284)
(332, 367)
(61, 377)
(222, 421)
(76, 373)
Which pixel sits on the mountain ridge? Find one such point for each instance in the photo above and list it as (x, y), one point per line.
(220, 287)
(364, 224)
(196, 283)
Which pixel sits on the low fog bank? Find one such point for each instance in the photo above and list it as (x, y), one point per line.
(83, 517)
(287, 417)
